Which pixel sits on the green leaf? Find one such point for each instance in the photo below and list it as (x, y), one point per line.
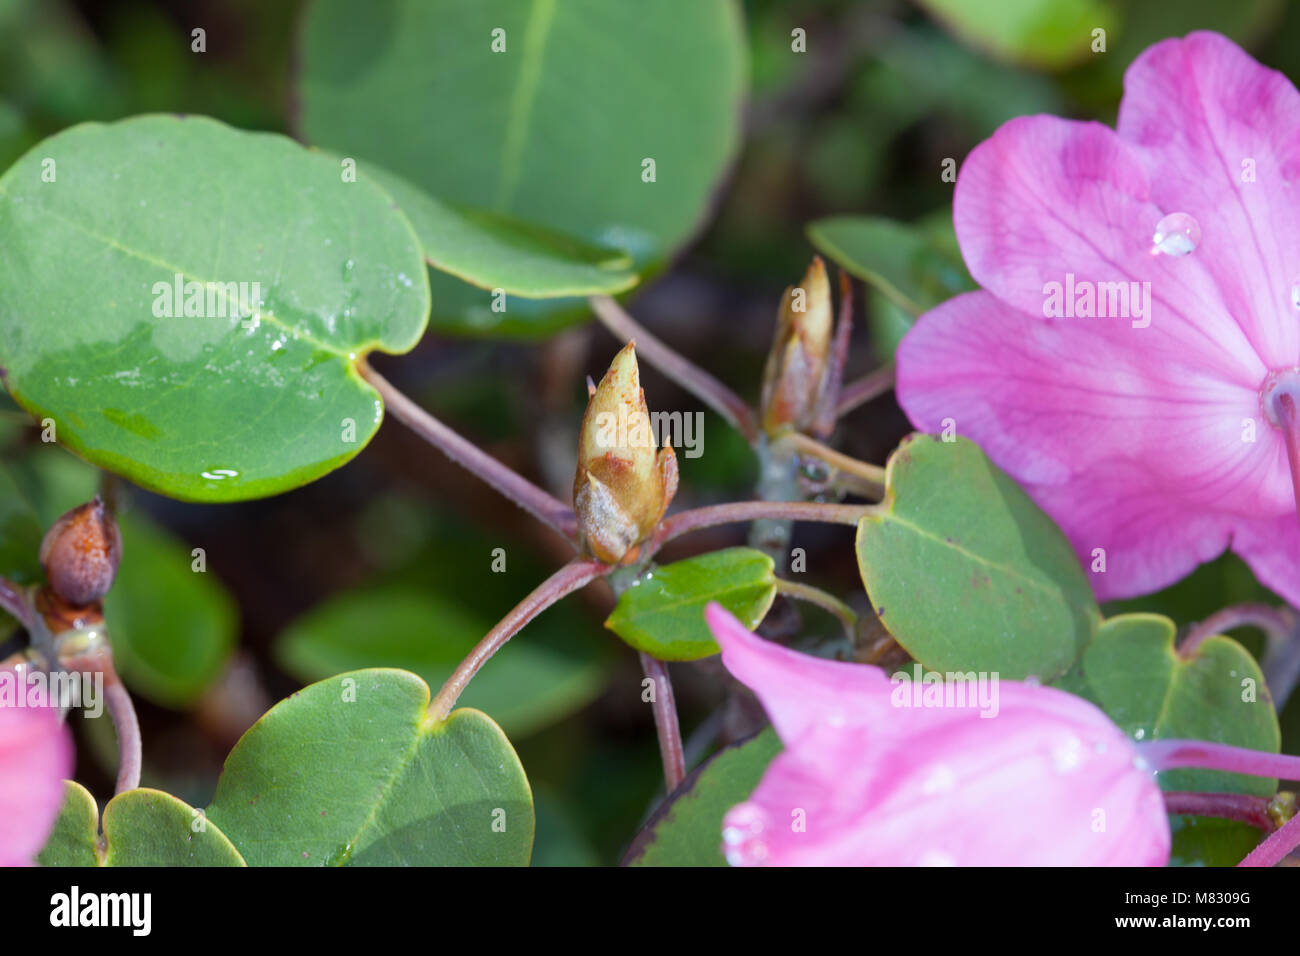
(1218, 694)
(1041, 33)
(1151, 692)
(172, 628)
(915, 266)
(262, 394)
(687, 829)
(141, 828)
(350, 771)
(493, 251)
(20, 533)
(554, 130)
(966, 572)
(526, 685)
(662, 613)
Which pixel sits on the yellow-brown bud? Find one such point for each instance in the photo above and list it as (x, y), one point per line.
(796, 367)
(624, 481)
(81, 552)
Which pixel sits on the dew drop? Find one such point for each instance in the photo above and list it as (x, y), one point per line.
(1176, 235)
(742, 829)
(220, 474)
(1139, 733)
(1068, 755)
(939, 780)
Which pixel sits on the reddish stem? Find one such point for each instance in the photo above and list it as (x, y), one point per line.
(1276, 623)
(862, 390)
(1229, 806)
(1275, 847)
(665, 711)
(1201, 754)
(688, 375)
(469, 456)
(738, 511)
(12, 600)
(565, 581)
(1290, 426)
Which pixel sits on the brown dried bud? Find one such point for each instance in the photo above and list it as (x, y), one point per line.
(796, 367)
(81, 552)
(624, 482)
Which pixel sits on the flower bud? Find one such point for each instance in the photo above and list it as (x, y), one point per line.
(624, 483)
(796, 367)
(81, 552)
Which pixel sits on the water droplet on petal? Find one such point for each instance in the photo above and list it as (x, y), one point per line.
(1067, 755)
(940, 779)
(742, 843)
(1176, 235)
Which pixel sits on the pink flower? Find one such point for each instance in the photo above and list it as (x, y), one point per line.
(1150, 431)
(35, 758)
(866, 781)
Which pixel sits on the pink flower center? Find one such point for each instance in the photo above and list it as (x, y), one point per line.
(1282, 383)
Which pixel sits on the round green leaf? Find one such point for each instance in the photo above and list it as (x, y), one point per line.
(493, 251)
(350, 771)
(526, 685)
(172, 628)
(141, 828)
(259, 393)
(966, 572)
(1218, 694)
(1151, 692)
(555, 128)
(662, 613)
(687, 829)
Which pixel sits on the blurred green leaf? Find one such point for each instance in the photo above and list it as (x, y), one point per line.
(172, 628)
(141, 828)
(1044, 33)
(966, 572)
(662, 613)
(687, 829)
(552, 130)
(20, 533)
(915, 266)
(350, 771)
(526, 685)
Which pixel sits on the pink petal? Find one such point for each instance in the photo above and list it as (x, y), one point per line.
(1045, 199)
(1271, 546)
(1047, 780)
(1199, 107)
(35, 758)
(1156, 464)
(798, 691)
(1046, 399)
